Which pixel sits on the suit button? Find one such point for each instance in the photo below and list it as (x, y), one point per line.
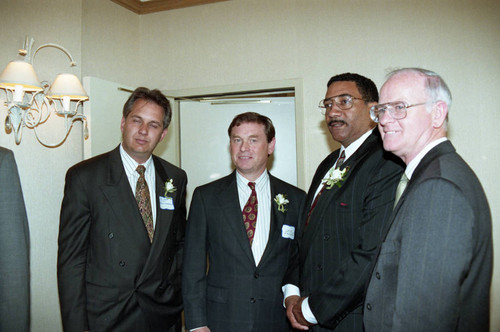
(368, 306)
(256, 275)
(319, 267)
(326, 237)
(377, 275)
(122, 263)
(111, 235)
(252, 300)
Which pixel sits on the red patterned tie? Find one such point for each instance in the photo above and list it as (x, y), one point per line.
(250, 213)
(144, 201)
(339, 163)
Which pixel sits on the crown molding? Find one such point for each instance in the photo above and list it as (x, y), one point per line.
(153, 6)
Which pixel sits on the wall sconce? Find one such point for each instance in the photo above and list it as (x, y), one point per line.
(30, 102)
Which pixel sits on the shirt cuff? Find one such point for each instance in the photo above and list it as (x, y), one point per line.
(307, 313)
(289, 290)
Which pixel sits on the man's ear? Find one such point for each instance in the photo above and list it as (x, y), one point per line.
(163, 134)
(270, 147)
(439, 114)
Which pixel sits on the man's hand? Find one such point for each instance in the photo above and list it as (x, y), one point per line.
(293, 306)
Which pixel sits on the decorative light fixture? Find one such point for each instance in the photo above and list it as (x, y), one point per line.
(30, 102)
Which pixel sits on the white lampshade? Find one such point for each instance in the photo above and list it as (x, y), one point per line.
(20, 73)
(67, 85)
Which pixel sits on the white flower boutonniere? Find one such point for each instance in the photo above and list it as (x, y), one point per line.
(281, 200)
(169, 187)
(335, 177)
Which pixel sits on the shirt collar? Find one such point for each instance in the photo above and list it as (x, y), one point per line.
(259, 183)
(349, 151)
(410, 168)
(130, 164)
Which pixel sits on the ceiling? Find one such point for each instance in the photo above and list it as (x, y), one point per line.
(152, 6)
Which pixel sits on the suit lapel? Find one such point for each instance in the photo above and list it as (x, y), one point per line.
(440, 149)
(276, 222)
(163, 216)
(120, 197)
(329, 195)
(231, 211)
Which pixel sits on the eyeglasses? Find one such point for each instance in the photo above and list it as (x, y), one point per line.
(344, 102)
(397, 110)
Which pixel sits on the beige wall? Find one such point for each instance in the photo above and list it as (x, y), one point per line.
(251, 41)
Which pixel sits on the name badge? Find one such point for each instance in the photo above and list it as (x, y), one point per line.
(166, 203)
(288, 232)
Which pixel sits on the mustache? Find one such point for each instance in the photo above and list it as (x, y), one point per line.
(332, 122)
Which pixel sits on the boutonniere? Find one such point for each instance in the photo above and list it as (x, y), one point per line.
(169, 187)
(281, 200)
(335, 177)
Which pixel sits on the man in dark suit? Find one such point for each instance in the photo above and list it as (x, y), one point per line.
(121, 231)
(241, 290)
(14, 249)
(434, 268)
(349, 201)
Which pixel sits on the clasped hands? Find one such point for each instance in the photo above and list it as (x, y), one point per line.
(293, 306)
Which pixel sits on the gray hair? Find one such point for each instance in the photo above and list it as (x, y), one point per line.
(435, 86)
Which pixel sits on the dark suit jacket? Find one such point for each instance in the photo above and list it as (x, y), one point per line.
(435, 265)
(338, 247)
(235, 295)
(111, 278)
(14, 249)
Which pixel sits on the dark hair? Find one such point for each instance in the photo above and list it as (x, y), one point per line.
(256, 118)
(366, 87)
(154, 96)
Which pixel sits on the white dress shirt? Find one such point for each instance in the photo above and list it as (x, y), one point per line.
(130, 166)
(263, 190)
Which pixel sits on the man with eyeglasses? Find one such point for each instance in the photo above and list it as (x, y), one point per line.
(434, 269)
(349, 201)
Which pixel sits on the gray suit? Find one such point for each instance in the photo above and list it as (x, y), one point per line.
(235, 294)
(14, 249)
(434, 268)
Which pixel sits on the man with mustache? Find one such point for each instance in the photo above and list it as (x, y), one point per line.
(349, 201)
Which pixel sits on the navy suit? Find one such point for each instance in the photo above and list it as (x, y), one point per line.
(235, 294)
(338, 247)
(434, 268)
(111, 278)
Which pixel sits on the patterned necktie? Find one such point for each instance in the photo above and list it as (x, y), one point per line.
(144, 201)
(339, 163)
(250, 213)
(401, 188)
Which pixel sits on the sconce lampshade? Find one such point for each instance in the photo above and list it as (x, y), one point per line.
(20, 73)
(67, 85)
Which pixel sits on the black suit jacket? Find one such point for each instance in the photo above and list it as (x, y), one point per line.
(338, 247)
(235, 294)
(110, 277)
(434, 268)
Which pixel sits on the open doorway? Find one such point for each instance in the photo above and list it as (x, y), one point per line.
(204, 141)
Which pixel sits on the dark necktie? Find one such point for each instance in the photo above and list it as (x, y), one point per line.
(339, 163)
(144, 201)
(401, 188)
(250, 213)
